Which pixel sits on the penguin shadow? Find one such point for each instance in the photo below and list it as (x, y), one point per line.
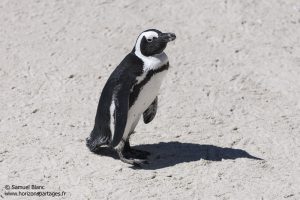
(172, 153)
(167, 154)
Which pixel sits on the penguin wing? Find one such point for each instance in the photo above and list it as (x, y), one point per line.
(121, 112)
(150, 113)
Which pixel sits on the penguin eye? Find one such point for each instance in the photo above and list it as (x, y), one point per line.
(149, 39)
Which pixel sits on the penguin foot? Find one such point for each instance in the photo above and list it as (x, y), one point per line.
(132, 161)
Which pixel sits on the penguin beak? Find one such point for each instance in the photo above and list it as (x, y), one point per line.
(167, 37)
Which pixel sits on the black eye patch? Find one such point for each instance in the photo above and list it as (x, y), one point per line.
(151, 39)
(151, 47)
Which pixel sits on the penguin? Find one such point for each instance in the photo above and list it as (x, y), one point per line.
(131, 92)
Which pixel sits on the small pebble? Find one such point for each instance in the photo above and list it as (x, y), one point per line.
(287, 196)
(35, 110)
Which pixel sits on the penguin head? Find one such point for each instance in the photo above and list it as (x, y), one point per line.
(152, 41)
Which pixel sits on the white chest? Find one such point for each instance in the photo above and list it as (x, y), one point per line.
(148, 93)
(150, 90)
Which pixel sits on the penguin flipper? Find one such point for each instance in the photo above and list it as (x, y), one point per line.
(121, 112)
(150, 113)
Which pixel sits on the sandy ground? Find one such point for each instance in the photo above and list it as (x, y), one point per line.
(231, 97)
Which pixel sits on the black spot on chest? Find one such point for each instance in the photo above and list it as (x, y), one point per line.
(137, 88)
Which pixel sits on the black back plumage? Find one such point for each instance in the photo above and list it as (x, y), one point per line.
(122, 79)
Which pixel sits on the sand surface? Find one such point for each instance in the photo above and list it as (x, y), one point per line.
(232, 96)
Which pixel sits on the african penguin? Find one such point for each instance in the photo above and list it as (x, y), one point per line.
(131, 91)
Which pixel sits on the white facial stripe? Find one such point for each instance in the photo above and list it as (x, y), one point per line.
(149, 34)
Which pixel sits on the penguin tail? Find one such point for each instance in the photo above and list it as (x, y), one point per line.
(96, 140)
(91, 145)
